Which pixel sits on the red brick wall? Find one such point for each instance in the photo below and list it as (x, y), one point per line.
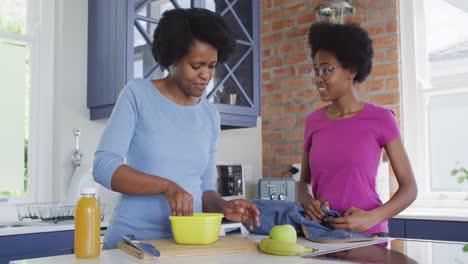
(287, 96)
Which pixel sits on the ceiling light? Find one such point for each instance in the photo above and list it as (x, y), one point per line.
(335, 11)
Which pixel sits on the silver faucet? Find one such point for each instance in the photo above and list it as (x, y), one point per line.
(77, 154)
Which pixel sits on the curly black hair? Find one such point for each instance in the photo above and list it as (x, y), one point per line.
(179, 28)
(350, 43)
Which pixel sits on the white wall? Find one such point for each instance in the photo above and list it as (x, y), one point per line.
(70, 109)
(245, 146)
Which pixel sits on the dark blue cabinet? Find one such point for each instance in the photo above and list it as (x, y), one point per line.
(108, 29)
(397, 228)
(119, 49)
(429, 229)
(35, 245)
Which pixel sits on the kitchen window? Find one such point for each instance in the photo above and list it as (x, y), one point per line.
(26, 69)
(14, 66)
(235, 86)
(434, 74)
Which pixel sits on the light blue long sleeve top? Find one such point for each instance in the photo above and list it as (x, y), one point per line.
(156, 136)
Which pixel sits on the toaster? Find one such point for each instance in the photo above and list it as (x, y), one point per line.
(283, 189)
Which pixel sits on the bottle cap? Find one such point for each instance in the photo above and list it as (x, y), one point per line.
(88, 190)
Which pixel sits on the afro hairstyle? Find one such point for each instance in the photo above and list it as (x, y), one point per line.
(350, 44)
(179, 28)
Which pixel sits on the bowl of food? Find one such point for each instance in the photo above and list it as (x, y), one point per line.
(198, 229)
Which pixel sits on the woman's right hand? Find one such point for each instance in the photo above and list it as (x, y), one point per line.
(313, 210)
(180, 201)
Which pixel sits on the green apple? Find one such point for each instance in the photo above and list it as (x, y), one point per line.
(286, 233)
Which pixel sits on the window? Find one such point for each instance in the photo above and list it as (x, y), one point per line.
(435, 98)
(26, 74)
(148, 14)
(233, 82)
(14, 104)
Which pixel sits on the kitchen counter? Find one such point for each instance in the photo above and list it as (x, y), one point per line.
(33, 239)
(32, 226)
(117, 256)
(392, 251)
(438, 214)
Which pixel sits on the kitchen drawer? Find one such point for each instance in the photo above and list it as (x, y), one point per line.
(429, 229)
(437, 230)
(397, 228)
(35, 245)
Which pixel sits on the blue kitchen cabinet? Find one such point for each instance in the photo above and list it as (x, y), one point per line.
(35, 245)
(108, 26)
(119, 49)
(429, 229)
(397, 228)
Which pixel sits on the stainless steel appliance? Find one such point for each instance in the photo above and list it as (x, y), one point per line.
(231, 185)
(231, 181)
(283, 189)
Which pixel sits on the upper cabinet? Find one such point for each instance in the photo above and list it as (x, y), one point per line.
(108, 28)
(119, 49)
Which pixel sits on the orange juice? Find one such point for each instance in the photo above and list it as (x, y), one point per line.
(87, 225)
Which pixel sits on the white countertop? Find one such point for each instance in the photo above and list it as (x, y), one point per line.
(33, 226)
(436, 214)
(118, 256)
(394, 251)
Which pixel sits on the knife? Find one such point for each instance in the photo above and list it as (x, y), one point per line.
(145, 247)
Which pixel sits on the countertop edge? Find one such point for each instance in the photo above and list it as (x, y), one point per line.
(41, 227)
(434, 214)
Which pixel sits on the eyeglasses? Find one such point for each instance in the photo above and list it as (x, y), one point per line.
(322, 72)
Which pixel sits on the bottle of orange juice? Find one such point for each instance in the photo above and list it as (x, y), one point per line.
(87, 225)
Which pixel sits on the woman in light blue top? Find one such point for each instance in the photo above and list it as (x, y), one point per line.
(168, 134)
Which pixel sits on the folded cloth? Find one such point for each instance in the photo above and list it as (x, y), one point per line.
(286, 212)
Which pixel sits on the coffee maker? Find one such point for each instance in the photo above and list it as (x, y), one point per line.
(231, 181)
(231, 186)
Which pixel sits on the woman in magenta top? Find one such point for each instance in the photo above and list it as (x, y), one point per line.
(343, 141)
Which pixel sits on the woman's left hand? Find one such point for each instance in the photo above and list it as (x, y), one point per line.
(242, 210)
(354, 219)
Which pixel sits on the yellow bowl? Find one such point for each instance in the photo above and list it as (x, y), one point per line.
(199, 229)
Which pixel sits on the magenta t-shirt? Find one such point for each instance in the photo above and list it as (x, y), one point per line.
(344, 156)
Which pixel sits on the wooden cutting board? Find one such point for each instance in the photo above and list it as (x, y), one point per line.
(169, 249)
